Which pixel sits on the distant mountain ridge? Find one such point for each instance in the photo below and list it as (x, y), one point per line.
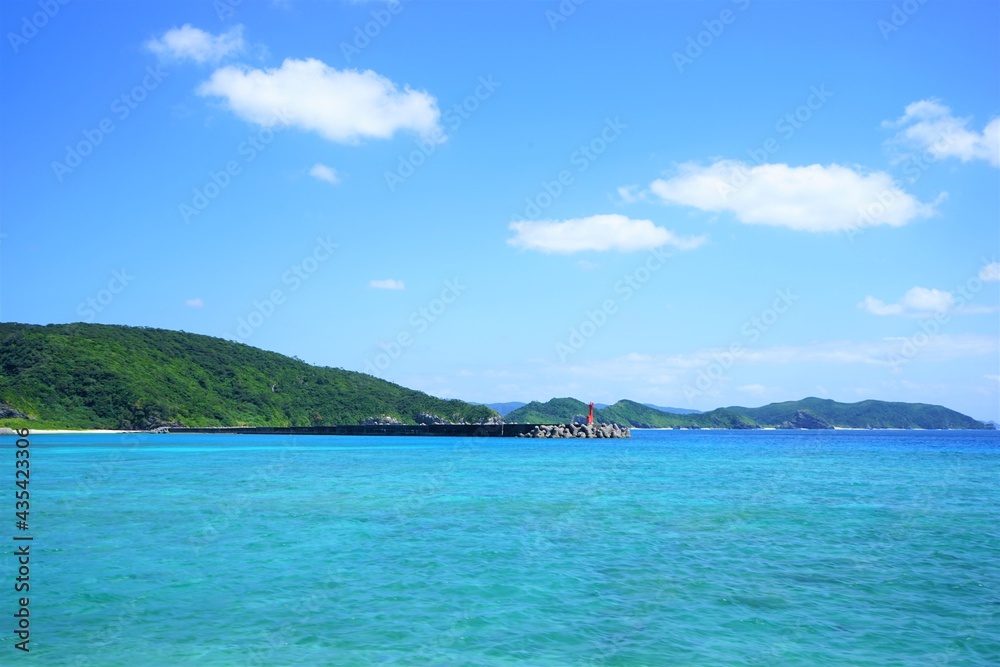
(809, 413)
(675, 411)
(503, 408)
(509, 406)
(554, 411)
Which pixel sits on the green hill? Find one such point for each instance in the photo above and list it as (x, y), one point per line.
(555, 411)
(642, 416)
(865, 414)
(624, 412)
(808, 413)
(101, 376)
(637, 415)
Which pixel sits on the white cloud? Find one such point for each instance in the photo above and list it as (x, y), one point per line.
(678, 368)
(630, 194)
(918, 301)
(195, 303)
(922, 299)
(655, 377)
(878, 307)
(343, 106)
(321, 172)
(598, 232)
(787, 371)
(190, 43)
(753, 389)
(990, 273)
(929, 125)
(814, 198)
(388, 283)
(976, 310)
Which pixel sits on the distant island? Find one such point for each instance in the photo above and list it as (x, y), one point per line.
(506, 408)
(809, 413)
(96, 376)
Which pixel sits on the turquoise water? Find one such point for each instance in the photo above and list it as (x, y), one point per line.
(672, 548)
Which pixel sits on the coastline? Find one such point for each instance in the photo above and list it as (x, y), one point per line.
(775, 428)
(706, 428)
(95, 431)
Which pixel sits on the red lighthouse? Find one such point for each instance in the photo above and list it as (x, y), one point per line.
(590, 415)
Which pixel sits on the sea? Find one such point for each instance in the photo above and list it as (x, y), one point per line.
(696, 548)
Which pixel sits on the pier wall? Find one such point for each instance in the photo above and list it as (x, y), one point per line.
(453, 430)
(438, 430)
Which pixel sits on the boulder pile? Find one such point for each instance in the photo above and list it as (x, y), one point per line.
(578, 431)
(383, 420)
(425, 418)
(495, 419)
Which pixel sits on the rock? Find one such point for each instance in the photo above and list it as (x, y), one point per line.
(424, 418)
(494, 420)
(384, 420)
(806, 420)
(10, 412)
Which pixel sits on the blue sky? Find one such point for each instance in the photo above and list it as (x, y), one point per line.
(688, 204)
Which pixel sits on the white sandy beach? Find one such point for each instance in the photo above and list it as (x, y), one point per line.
(94, 431)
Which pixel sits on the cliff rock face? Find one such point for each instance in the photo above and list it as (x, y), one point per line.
(804, 419)
(10, 412)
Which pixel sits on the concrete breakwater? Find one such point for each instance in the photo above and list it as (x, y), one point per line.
(577, 431)
(439, 430)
